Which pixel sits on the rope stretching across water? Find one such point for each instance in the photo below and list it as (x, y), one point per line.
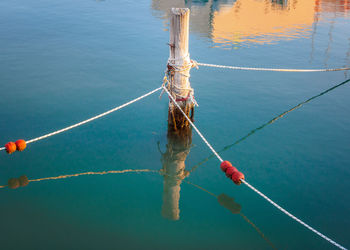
(267, 69)
(249, 185)
(90, 119)
(199, 133)
(293, 217)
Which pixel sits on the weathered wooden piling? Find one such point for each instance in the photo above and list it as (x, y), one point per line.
(179, 130)
(178, 73)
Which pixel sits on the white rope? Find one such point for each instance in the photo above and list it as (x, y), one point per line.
(189, 120)
(250, 186)
(293, 217)
(268, 69)
(90, 119)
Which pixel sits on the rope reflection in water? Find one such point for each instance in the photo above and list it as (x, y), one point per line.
(269, 122)
(170, 208)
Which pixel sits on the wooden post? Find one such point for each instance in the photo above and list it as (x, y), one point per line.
(179, 129)
(179, 65)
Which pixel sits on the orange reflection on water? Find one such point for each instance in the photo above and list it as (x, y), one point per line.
(261, 21)
(333, 6)
(229, 23)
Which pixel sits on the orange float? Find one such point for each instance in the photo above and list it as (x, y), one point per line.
(21, 145)
(230, 171)
(10, 147)
(224, 165)
(237, 177)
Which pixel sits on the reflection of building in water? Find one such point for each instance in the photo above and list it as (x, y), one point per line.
(333, 6)
(283, 3)
(173, 161)
(255, 21)
(329, 9)
(262, 21)
(201, 12)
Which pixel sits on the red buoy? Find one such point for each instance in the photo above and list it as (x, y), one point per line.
(21, 145)
(224, 165)
(237, 177)
(230, 171)
(10, 147)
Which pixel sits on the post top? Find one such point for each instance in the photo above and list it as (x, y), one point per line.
(180, 11)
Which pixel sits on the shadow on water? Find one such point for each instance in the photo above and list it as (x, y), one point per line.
(174, 173)
(171, 195)
(14, 183)
(174, 170)
(270, 122)
(235, 208)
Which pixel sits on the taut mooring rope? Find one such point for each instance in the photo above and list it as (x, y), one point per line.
(189, 120)
(268, 69)
(91, 119)
(293, 217)
(249, 185)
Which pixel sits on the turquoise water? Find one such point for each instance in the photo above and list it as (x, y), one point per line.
(65, 61)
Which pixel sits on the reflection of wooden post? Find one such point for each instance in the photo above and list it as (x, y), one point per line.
(179, 65)
(174, 172)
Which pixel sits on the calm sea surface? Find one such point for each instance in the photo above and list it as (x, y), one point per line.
(64, 61)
